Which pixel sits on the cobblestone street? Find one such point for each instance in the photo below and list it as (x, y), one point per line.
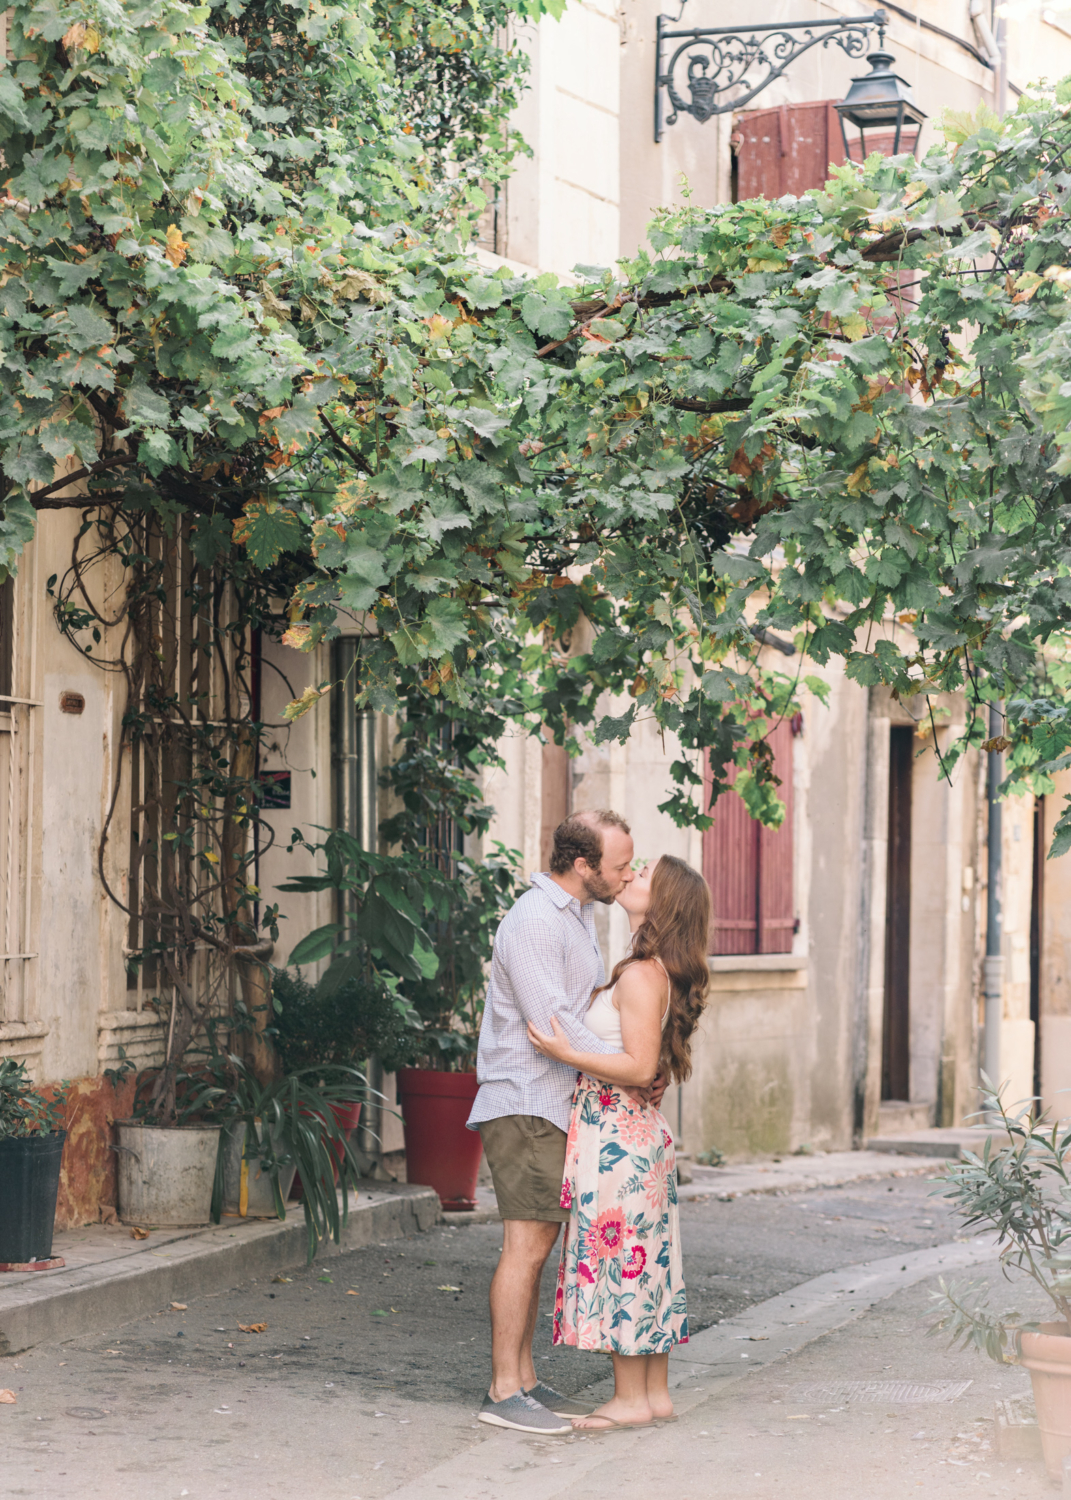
(367, 1376)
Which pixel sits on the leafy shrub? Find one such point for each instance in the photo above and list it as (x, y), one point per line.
(360, 1019)
(24, 1111)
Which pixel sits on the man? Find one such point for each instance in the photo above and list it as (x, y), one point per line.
(546, 962)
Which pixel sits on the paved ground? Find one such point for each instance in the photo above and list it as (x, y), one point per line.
(366, 1380)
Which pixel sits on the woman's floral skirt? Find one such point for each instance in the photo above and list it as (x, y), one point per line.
(620, 1282)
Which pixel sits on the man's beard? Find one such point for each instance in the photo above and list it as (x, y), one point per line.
(597, 888)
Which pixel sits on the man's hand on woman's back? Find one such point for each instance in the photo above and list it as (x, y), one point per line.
(653, 1095)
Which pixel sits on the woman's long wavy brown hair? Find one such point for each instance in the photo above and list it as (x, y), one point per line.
(676, 930)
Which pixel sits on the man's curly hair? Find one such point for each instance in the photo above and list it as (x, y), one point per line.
(580, 837)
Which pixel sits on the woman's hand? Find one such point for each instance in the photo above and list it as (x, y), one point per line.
(557, 1046)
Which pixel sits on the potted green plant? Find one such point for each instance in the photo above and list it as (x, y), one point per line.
(465, 900)
(420, 923)
(270, 1131)
(165, 1170)
(31, 1153)
(436, 1065)
(322, 1024)
(1022, 1190)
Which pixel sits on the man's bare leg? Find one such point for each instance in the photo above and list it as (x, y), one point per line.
(526, 1243)
(527, 1365)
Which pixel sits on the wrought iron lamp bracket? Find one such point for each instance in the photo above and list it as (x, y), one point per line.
(724, 61)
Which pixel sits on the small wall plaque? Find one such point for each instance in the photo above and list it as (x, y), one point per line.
(274, 789)
(71, 703)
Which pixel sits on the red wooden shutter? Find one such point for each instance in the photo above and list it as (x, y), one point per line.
(777, 916)
(731, 869)
(787, 150)
(749, 867)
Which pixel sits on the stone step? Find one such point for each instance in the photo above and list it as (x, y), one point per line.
(949, 1143)
(896, 1116)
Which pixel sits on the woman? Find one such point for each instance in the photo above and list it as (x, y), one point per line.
(620, 1285)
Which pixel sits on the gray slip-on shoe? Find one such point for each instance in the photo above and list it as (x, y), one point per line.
(564, 1406)
(523, 1414)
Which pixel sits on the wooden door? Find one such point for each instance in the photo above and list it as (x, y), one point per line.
(896, 1038)
(1037, 916)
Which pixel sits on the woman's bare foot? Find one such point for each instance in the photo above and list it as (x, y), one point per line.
(615, 1413)
(661, 1411)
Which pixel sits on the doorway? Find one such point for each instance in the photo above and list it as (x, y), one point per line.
(1037, 893)
(896, 1022)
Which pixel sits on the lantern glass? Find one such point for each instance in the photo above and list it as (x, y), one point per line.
(883, 115)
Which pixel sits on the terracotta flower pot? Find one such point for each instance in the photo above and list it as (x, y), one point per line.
(1047, 1355)
(439, 1151)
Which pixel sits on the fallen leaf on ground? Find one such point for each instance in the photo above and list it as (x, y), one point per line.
(178, 1307)
(252, 1327)
(139, 1234)
(449, 1289)
(8, 1398)
(108, 1214)
(352, 1293)
(280, 1280)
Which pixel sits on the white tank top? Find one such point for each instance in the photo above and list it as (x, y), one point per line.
(604, 1019)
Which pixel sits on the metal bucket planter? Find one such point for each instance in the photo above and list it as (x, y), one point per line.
(166, 1173)
(247, 1190)
(29, 1182)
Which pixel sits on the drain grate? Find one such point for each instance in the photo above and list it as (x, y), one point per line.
(874, 1392)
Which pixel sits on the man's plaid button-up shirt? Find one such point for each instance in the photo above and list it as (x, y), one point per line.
(546, 962)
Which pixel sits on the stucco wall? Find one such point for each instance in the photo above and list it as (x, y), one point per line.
(75, 1001)
(598, 176)
(1055, 973)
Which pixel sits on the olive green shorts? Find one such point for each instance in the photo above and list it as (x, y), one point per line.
(526, 1155)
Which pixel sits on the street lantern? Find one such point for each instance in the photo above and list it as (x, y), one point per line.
(879, 102)
(704, 71)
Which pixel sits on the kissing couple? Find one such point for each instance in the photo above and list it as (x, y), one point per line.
(572, 1070)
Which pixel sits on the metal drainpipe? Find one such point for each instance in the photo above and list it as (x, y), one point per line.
(356, 810)
(1002, 71)
(993, 987)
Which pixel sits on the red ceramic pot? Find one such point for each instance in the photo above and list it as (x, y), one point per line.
(439, 1151)
(347, 1118)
